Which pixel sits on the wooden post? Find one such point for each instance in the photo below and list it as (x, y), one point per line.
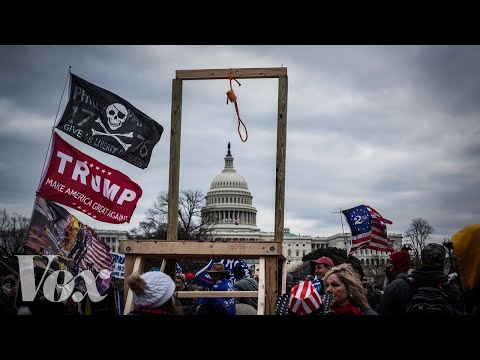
(174, 171)
(271, 292)
(283, 285)
(129, 261)
(281, 154)
(261, 287)
(280, 180)
(129, 299)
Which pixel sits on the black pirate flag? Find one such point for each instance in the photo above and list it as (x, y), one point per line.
(105, 121)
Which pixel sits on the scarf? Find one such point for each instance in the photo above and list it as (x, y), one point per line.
(346, 310)
(148, 311)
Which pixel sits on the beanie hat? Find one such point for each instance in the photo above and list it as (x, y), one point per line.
(401, 260)
(433, 255)
(323, 260)
(466, 245)
(181, 277)
(189, 276)
(151, 289)
(401, 264)
(304, 299)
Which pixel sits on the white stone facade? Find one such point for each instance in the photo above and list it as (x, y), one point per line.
(112, 238)
(230, 202)
(366, 256)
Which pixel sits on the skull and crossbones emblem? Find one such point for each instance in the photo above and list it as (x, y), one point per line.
(116, 115)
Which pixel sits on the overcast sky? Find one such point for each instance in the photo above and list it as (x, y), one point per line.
(393, 127)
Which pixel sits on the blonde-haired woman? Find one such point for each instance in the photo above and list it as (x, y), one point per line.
(349, 295)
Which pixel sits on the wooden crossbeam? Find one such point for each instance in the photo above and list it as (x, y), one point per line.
(195, 249)
(244, 73)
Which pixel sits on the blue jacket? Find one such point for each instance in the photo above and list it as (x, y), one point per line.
(221, 306)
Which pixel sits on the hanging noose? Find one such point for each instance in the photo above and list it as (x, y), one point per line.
(233, 98)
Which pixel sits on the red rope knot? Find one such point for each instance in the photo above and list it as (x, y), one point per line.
(233, 98)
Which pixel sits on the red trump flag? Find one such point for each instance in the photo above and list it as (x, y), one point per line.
(81, 182)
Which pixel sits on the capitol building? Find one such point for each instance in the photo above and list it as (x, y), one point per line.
(230, 204)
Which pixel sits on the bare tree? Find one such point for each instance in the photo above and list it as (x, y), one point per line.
(191, 225)
(418, 232)
(155, 224)
(13, 233)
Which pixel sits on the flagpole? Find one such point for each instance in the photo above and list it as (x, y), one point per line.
(54, 122)
(343, 231)
(50, 143)
(341, 220)
(63, 92)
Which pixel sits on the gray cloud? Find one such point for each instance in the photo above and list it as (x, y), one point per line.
(394, 127)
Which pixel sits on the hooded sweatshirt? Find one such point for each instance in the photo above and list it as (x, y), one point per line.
(466, 244)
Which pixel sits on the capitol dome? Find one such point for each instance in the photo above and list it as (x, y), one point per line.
(229, 202)
(229, 178)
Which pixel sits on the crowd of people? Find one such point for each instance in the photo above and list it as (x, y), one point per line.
(425, 291)
(339, 289)
(154, 293)
(331, 289)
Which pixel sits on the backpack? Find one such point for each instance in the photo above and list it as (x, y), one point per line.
(428, 301)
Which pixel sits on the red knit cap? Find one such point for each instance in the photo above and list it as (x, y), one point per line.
(401, 261)
(189, 276)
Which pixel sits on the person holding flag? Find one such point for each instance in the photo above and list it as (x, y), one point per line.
(221, 282)
(322, 266)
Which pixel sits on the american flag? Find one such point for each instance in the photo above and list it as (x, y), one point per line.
(98, 256)
(368, 229)
(375, 214)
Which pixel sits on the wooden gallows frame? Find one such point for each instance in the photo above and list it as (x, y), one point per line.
(272, 262)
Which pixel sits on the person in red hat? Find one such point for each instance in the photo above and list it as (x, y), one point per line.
(322, 265)
(189, 276)
(399, 265)
(191, 284)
